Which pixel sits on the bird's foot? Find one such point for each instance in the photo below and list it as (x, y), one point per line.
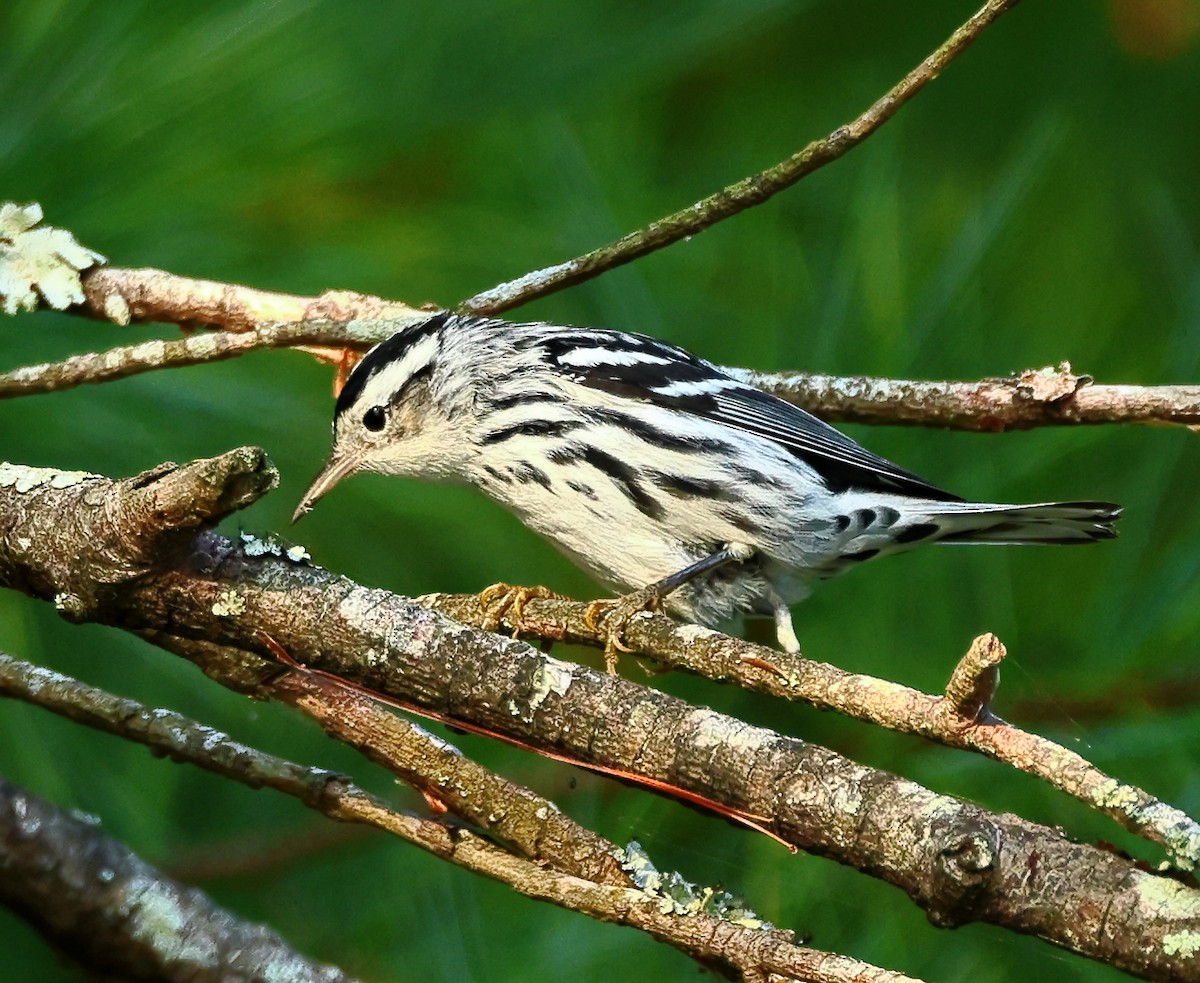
(502, 602)
(610, 617)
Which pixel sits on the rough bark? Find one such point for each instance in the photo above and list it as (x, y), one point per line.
(95, 900)
(134, 554)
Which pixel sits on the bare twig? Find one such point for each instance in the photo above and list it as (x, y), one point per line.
(735, 949)
(508, 812)
(960, 719)
(195, 349)
(737, 197)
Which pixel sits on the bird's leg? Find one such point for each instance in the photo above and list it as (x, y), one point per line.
(785, 631)
(502, 601)
(610, 616)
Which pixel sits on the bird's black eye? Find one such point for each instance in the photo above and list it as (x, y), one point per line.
(374, 419)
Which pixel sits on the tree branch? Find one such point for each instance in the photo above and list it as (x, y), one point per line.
(125, 295)
(96, 900)
(957, 861)
(194, 349)
(1050, 396)
(962, 718)
(735, 949)
(510, 813)
(1045, 397)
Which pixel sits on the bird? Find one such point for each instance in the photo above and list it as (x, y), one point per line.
(653, 469)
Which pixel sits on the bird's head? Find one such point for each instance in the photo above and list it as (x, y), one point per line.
(395, 415)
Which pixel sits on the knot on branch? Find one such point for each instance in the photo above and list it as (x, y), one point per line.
(966, 858)
(75, 538)
(973, 683)
(182, 499)
(1051, 384)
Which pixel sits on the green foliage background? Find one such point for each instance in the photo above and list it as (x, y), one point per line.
(1038, 202)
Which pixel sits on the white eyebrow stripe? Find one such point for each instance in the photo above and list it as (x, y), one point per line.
(391, 379)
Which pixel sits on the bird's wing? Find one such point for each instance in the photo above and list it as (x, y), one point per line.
(642, 368)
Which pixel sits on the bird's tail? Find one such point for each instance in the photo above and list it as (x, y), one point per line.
(1022, 525)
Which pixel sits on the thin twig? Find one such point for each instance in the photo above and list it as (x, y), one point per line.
(737, 197)
(1049, 396)
(195, 349)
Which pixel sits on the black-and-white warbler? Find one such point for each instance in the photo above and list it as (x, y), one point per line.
(646, 464)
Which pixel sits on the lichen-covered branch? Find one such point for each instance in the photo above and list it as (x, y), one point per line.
(737, 949)
(957, 861)
(962, 718)
(510, 813)
(1049, 396)
(93, 898)
(746, 193)
(1052, 396)
(193, 349)
(507, 811)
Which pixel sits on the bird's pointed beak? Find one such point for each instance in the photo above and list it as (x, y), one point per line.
(336, 468)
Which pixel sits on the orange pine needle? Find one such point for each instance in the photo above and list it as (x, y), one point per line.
(749, 820)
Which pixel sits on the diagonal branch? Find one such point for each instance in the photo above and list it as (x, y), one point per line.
(957, 861)
(737, 197)
(510, 813)
(92, 897)
(610, 896)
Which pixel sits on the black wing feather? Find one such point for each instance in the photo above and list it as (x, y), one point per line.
(840, 461)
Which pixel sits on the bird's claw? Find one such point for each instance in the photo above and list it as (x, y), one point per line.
(507, 601)
(609, 618)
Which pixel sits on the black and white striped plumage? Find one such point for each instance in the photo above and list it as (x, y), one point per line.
(638, 459)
